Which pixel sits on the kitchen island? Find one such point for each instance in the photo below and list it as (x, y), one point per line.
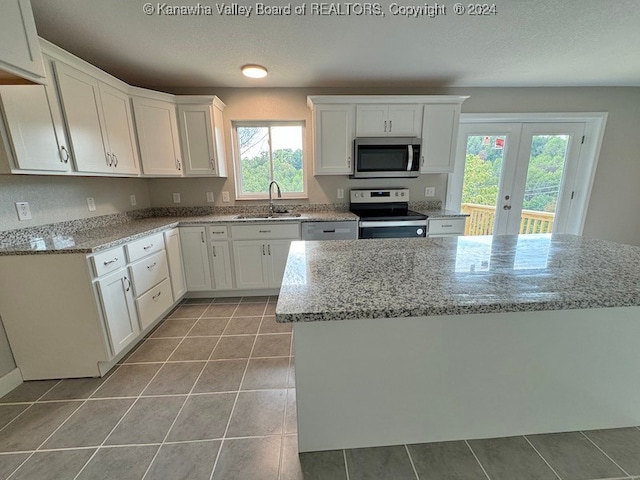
(420, 340)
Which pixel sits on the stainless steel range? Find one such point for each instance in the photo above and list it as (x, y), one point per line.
(384, 213)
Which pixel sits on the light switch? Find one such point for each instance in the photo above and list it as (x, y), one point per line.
(92, 204)
(133, 200)
(340, 193)
(176, 198)
(209, 196)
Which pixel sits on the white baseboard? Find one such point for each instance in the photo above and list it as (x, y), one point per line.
(10, 381)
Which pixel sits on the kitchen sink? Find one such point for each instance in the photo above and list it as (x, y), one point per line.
(266, 216)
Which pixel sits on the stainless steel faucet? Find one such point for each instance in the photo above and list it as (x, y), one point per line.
(271, 209)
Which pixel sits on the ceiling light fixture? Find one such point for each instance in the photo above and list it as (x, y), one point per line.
(254, 71)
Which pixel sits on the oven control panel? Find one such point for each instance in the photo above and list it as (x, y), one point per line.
(378, 195)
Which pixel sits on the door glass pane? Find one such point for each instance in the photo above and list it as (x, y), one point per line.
(544, 176)
(481, 182)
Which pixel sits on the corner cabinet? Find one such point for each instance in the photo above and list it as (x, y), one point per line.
(20, 55)
(200, 125)
(339, 119)
(173, 245)
(157, 128)
(333, 128)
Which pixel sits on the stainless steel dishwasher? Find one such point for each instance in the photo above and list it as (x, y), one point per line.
(344, 230)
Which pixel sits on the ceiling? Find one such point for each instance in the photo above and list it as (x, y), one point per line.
(526, 43)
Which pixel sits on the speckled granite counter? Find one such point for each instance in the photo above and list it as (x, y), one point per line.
(448, 276)
(111, 235)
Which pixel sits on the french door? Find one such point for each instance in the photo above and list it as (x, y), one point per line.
(518, 177)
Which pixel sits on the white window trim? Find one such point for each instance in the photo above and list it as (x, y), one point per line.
(236, 159)
(595, 123)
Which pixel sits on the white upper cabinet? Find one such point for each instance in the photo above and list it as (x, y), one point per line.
(120, 134)
(20, 55)
(156, 125)
(99, 122)
(403, 120)
(201, 137)
(439, 138)
(35, 140)
(333, 128)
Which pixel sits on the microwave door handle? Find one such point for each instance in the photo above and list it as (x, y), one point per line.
(410, 162)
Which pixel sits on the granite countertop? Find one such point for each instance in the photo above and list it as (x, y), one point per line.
(109, 236)
(351, 279)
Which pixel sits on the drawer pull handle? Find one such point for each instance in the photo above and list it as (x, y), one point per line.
(149, 267)
(264, 231)
(148, 246)
(156, 295)
(447, 226)
(128, 284)
(269, 249)
(110, 261)
(333, 230)
(217, 232)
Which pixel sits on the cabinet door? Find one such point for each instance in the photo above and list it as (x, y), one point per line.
(195, 257)
(251, 264)
(439, 137)
(221, 265)
(174, 257)
(156, 126)
(404, 120)
(31, 128)
(277, 252)
(80, 98)
(19, 47)
(119, 130)
(371, 121)
(218, 140)
(119, 310)
(196, 135)
(333, 138)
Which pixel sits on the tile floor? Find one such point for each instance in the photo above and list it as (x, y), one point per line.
(209, 395)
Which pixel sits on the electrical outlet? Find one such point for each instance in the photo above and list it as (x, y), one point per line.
(133, 200)
(430, 191)
(92, 204)
(225, 197)
(209, 196)
(176, 198)
(24, 212)
(340, 193)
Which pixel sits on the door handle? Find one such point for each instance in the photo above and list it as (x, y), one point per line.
(269, 248)
(390, 125)
(385, 126)
(64, 155)
(128, 284)
(214, 251)
(263, 250)
(202, 236)
(109, 161)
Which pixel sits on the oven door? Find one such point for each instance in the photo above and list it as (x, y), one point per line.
(392, 229)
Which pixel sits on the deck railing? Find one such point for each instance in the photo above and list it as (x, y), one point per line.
(481, 218)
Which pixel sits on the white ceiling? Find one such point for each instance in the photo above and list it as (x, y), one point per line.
(526, 43)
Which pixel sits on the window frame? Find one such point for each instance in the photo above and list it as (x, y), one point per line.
(304, 195)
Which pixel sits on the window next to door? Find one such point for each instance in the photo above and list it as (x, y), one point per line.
(266, 151)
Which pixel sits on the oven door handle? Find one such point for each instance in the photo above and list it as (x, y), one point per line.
(410, 162)
(392, 223)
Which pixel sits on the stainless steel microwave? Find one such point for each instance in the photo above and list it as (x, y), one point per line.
(386, 157)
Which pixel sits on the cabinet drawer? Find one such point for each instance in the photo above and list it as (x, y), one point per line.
(330, 230)
(149, 272)
(108, 261)
(266, 231)
(452, 226)
(218, 232)
(145, 246)
(154, 303)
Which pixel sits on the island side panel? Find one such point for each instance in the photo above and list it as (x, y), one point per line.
(362, 383)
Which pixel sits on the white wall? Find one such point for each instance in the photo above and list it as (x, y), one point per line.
(615, 196)
(56, 199)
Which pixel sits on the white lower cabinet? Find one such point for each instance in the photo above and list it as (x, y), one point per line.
(195, 256)
(90, 309)
(260, 263)
(116, 294)
(446, 227)
(176, 268)
(221, 265)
